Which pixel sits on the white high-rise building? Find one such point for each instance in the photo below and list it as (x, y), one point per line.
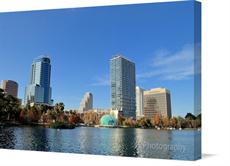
(86, 103)
(139, 102)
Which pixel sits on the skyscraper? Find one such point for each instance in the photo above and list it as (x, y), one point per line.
(157, 101)
(86, 103)
(123, 86)
(10, 87)
(39, 91)
(139, 102)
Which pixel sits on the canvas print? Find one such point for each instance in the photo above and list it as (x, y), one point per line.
(121, 80)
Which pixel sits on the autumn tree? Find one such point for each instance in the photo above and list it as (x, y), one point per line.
(72, 119)
(121, 119)
(144, 122)
(156, 120)
(51, 115)
(31, 116)
(23, 115)
(166, 122)
(173, 122)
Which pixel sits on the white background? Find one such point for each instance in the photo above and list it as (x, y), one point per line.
(215, 89)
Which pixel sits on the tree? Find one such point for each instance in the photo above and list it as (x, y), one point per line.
(31, 117)
(51, 115)
(129, 122)
(166, 122)
(72, 119)
(156, 121)
(2, 104)
(11, 106)
(199, 116)
(198, 122)
(37, 112)
(22, 115)
(62, 117)
(59, 107)
(144, 122)
(91, 118)
(43, 108)
(190, 116)
(181, 122)
(173, 122)
(120, 119)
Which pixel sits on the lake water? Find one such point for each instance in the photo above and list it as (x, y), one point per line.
(133, 142)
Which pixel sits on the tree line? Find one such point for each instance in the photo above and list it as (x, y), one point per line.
(157, 121)
(55, 116)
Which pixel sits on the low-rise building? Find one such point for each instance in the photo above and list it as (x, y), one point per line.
(10, 87)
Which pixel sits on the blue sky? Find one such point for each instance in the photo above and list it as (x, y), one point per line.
(157, 37)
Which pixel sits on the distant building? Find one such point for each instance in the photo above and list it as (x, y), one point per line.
(39, 91)
(123, 84)
(10, 87)
(100, 110)
(86, 103)
(34, 94)
(157, 101)
(139, 102)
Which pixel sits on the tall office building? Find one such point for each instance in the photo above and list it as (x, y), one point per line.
(10, 87)
(157, 101)
(123, 86)
(86, 103)
(39, 91)
(139, 102)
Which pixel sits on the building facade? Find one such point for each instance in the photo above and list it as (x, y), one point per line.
(86, 103)
(157, 101)
(10, 87)
(39, 90)
(139, 102)
(123, 86)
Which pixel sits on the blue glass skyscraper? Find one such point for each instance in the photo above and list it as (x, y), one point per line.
(123, 86)
(39, 91)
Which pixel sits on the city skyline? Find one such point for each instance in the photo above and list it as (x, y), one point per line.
(70, 59)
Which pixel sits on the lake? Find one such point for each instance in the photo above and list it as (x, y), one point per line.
(147, 143)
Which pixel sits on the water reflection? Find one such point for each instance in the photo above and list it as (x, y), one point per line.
(153, 143)
(105, 141)
(31, 138)
(7, 139)
(128, 145)
(87, 140)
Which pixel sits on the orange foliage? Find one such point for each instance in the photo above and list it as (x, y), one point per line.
(22, 115)
(157, 119)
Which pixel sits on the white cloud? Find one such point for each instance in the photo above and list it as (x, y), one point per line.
(167, 65)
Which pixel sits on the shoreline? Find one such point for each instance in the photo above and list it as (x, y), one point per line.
(46, 125)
